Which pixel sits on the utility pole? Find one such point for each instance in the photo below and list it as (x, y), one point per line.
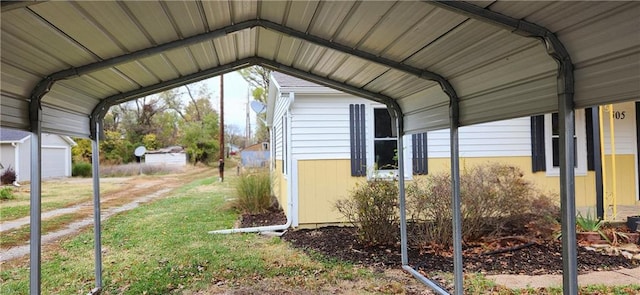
(221, 161)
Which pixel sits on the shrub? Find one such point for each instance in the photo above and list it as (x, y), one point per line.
(81, 169)
(254, 194)
(495, 197)
(429, 210)
(6, 193)
(8, 176)
(373, 208)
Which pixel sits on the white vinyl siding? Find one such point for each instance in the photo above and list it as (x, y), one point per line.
(282, 105)
(56, 157)
(507, 138)
(624, 129)
(174, 159)
(54, 162)
(320, 126)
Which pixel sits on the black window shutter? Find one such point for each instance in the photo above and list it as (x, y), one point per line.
(420, 161)
(283, 129)
(588, 115)
(537, 144)
(358, 142)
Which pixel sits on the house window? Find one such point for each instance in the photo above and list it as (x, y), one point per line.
(555, 141)
(545, 145)
(552, 143)
(274, 137)
(385, 145)
(383, 156)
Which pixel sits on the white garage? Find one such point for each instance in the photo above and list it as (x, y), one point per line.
(15, 152)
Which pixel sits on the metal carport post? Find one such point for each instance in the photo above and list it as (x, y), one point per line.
(97, 230)
(35, 203)
(566, 116)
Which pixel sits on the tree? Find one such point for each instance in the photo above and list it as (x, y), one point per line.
(200, 128)
(82, 151)
(200, 139)
(233, 135)
(258, 78)
(169, 118)
(116, 149)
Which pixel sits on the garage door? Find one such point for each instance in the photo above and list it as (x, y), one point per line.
(54, 161)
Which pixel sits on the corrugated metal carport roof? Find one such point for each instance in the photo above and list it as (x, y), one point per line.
(380, 49)
(438, 64)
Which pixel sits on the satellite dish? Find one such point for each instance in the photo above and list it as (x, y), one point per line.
(140, 151)
(258, 107)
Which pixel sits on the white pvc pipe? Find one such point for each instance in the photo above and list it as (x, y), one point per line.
(260, 228)
(254, 229)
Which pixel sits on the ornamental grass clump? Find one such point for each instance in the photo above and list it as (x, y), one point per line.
(6, 193)
(81, 169)
(254, 194)
(372, 208)
(588, 223)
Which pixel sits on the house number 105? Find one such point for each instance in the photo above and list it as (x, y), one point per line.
(619, 115)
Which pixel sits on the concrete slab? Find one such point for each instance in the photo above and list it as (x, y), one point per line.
(609, 278)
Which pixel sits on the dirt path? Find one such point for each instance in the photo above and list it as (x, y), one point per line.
(135, 191)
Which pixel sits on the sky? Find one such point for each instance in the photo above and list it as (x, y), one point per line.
(236, 92)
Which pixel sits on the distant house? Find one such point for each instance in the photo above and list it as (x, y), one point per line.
(173, 155)
(15, 152)
(325, 141)
(256, 155)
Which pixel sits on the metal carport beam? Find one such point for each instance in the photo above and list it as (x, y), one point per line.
(420, 73)
(566, 116)
(391, 103)
(397, 114)
(46, 83)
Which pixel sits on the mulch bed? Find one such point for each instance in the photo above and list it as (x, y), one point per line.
(263, 219)
(530, 258)
(534, 259)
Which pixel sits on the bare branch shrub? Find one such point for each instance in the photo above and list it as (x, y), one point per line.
(372, 208)
(8, 176)
(495, 197)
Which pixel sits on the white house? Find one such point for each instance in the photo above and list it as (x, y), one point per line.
(173, 156)
(325, 141)
(15, 152)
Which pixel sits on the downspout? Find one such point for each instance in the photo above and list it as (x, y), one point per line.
(16, 159)
(290, 199)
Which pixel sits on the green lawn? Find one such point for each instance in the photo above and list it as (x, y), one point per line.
(164, 248)
(55, 194)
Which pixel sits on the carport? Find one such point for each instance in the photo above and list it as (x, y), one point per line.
(435, 65)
